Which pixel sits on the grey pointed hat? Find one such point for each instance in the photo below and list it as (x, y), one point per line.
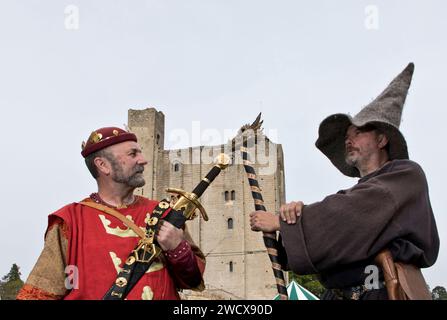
(384, 113)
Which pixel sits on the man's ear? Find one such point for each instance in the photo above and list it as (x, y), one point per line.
(102, 165)
(383, 140)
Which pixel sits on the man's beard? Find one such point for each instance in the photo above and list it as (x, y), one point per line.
(351, 161)
(351, 158)
(358, 160)
(135, 180)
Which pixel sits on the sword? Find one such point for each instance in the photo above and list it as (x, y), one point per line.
(188, 201)
(183, 209)
(147, 250)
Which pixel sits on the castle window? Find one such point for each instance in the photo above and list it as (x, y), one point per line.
(176, 167)
(230, 223)
(227, 196)
(158, 139)
(233, 195)
(231, 266)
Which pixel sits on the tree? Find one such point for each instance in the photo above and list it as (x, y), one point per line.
(310, 282)
(439, 293)
(11, 284)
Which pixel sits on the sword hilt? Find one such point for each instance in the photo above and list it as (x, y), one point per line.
(189, 201)
(222, 161)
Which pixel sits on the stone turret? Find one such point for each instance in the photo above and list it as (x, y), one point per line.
(237, 263)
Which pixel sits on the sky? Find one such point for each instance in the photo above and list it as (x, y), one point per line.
(69, 67)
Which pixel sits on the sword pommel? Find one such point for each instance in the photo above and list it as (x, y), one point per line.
(222, 161)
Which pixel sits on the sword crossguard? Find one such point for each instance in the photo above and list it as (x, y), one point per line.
(187, 203)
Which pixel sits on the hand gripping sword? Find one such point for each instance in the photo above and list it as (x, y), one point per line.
(270, 241)
(183, 209)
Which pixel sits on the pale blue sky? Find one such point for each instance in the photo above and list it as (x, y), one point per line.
(217, 62)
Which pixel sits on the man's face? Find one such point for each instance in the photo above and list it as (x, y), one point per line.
(127, 164)
(360, 145)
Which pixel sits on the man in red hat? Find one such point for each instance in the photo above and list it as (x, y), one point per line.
(387, 212)
(86, 248)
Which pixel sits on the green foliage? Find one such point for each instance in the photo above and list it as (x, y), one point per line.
(11, 284)
(439, 293)
(310, 282)
(13, 275)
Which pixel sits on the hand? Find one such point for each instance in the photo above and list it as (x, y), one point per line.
(168, 236)
(264, 221)
(290, 211)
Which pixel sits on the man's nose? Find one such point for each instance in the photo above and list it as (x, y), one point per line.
(348, 142)
(142, 160)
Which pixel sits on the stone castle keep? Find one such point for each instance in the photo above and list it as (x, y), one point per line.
(237, 263)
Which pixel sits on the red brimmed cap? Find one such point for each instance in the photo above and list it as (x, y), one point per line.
(104, 137)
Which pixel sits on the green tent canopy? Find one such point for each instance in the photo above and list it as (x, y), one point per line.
(297, 292)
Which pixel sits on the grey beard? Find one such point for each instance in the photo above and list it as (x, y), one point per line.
(135, 180)
(351, 162)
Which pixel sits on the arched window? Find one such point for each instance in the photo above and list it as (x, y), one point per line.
(176, 167)
(230, 223)
(227, 196)
(231, 266)
(158, 139)
(233, 195)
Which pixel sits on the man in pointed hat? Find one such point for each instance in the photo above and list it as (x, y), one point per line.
(86, 246)
(387, 211)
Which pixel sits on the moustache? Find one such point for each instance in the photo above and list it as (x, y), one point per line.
(138, 169)
(349, 149)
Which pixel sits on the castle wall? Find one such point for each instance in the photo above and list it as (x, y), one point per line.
(238, 266)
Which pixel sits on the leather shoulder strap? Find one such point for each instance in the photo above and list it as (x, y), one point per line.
(116, 214)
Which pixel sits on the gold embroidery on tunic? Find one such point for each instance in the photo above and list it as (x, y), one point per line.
(155, 266)
(147, 293)
(123, 233)
(116, 262)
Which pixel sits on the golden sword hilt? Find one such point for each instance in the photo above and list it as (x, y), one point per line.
(189, 201)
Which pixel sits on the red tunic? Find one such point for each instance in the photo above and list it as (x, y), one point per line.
(99, 244)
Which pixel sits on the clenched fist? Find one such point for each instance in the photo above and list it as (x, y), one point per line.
(168, 236)
(264, 221)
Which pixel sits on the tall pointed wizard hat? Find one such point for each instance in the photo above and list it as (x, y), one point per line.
(384, 113)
